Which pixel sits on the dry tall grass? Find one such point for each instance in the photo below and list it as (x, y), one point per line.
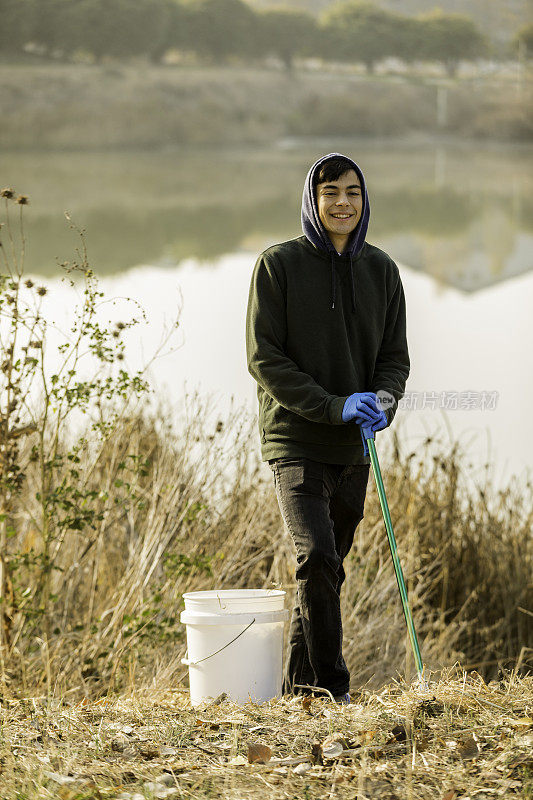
(203, 514)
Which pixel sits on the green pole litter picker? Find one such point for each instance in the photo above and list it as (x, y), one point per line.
(368, 437)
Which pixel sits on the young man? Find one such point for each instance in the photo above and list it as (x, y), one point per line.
(325, 333)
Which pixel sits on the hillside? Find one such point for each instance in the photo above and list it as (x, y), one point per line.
(82, 107)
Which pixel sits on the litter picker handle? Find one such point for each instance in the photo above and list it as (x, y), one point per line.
(394, 553)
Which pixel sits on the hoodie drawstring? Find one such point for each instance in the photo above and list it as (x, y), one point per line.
(334, 283)
(353, 285)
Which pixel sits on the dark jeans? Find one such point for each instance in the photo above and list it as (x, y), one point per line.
(321, 505)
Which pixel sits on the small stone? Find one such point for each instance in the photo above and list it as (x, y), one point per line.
(166, 779)
(169, 751)
(159, 791)
(61, 779)
(238, 761)
(118, 743)
(301, 769)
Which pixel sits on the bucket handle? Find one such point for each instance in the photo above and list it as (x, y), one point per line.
(189, 663)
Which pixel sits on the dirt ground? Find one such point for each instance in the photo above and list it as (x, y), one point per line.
(461, 739)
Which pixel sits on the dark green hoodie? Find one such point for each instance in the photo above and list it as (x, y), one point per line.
(320, 327)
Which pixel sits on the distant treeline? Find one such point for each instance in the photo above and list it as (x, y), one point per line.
(221, 30)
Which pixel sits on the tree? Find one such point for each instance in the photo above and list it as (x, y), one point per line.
(15, 25)
(119, 28)
(56, 25)
(163, 25)
(449, 38)
(408, 38)
(524, 39)
(287, 33)
(218, 29)
(104, 27)
(148, 27)
(359, 31)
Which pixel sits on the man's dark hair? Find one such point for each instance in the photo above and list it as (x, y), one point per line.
(331, 170)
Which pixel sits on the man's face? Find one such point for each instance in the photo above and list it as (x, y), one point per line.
(340, 205)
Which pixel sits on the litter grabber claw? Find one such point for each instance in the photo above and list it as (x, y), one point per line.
(368, 439)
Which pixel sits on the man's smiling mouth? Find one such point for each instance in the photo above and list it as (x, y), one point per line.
(342, 216)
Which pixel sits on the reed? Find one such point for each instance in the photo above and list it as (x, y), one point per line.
(203, 514)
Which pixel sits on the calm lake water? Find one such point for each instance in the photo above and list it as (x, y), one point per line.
(180, 232)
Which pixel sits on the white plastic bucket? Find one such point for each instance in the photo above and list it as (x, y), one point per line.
(234, 644)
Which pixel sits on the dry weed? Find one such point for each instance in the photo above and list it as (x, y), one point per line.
(462, 739)
(206, 517)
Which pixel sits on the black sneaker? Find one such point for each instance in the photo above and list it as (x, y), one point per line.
(343, 699)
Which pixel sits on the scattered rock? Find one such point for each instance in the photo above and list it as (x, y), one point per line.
(159, 791)
(149, 750)
(118, 743)
(60, 779)
(168, 751)
(238, 761)
(166, 779)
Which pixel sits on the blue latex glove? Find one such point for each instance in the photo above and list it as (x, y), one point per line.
(381, 422)
(366, 433)
(368, 429)
(361, 407)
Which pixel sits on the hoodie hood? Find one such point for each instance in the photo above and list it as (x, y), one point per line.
(315, 232)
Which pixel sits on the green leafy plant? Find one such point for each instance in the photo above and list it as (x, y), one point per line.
(62, 396)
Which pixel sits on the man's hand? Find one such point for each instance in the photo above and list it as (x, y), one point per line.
(368, 429)
(380, 423)
(362, 408)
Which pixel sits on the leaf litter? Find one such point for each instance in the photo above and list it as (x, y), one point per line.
(462, 739)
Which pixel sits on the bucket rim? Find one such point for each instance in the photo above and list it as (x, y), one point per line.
(233, 594)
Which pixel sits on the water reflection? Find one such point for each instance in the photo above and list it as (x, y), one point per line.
(460, 213)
